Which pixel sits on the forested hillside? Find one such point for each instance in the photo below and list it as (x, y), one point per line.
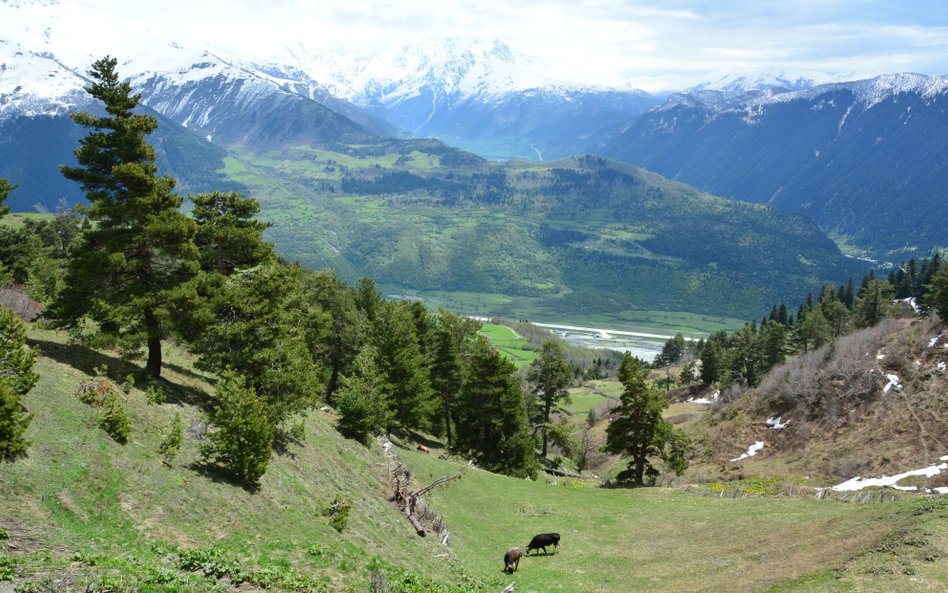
(865, 159)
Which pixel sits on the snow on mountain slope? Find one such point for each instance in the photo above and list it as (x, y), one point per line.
(871, 91)
(866, 92)
(36, 84)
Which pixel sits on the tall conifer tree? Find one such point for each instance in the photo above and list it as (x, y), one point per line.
(140, 246)
(550, 376)
(639, 430)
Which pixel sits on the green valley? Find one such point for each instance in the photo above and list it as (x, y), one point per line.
(582, 239)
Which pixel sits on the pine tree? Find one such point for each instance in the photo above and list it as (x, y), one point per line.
(772, 344)
(874, 303)
(550, 376)
(688, 375)
(639, 431)
(363, 401)
(672, 351)
(5, 189)
(711, 362)
(493, 427)
(255, 322)
(227, 235)
(453, 335)
(849, 296)
(242, 438)
(782, 317)
(367, 298)
(812, 330)
(402, 364)
(938, 293)
(140, 246)
(16, 379)
(340, 342)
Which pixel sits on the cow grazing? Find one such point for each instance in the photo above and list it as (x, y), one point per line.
(540, 542)
(512, 560)
(422, 448)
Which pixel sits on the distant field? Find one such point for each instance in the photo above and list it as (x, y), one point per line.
(589, 397)
(538, 310)
(16, 219)
(517, 349)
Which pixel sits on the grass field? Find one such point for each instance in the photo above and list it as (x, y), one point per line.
(516, 348)
(660, 540)
(84, 513)
(16, 219)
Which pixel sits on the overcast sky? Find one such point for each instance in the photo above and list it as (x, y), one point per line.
(654, 44)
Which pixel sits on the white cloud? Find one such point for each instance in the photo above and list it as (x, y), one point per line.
(654, 44)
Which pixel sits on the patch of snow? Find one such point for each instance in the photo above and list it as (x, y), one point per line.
(941, 490)
(911, 302)
(699, 400)
(209, 137)
(893, 382)
(933, 341)
(879, 355)
(714, 396)
(942, 366)
(751, 451)
(776, 424)
(858, 483)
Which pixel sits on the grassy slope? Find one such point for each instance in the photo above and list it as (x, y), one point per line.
(668, 540)
(82, 508)
(79, 493)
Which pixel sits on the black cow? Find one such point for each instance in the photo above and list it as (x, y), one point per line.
(540, 542)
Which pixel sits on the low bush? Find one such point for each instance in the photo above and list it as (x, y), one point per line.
(171, 444)
(337, 512)
(114, 419)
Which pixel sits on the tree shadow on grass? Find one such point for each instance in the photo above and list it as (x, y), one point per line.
(406, 439)
(87, 360)
(190, 373)
(216, 473)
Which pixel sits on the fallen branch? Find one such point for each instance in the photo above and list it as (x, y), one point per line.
(438, 482)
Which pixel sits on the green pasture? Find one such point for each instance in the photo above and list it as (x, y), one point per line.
(17, 219)
(658, 539)
(514, 347)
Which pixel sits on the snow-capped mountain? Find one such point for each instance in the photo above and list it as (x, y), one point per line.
(201, 87)
(865, 159)
(480, 95)
(34, 84)
(446, 67)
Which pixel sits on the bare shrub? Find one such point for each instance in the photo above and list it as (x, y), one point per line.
(730, 394)
(796, 383)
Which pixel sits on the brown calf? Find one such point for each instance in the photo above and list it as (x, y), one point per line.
(422, 448)
(512, 560)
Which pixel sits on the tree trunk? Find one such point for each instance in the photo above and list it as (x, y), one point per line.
(639, 468)
(546, 421)
(153, 330)
(332, 384)
(447, 418)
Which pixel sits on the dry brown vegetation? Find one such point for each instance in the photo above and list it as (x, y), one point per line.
(842, 420)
